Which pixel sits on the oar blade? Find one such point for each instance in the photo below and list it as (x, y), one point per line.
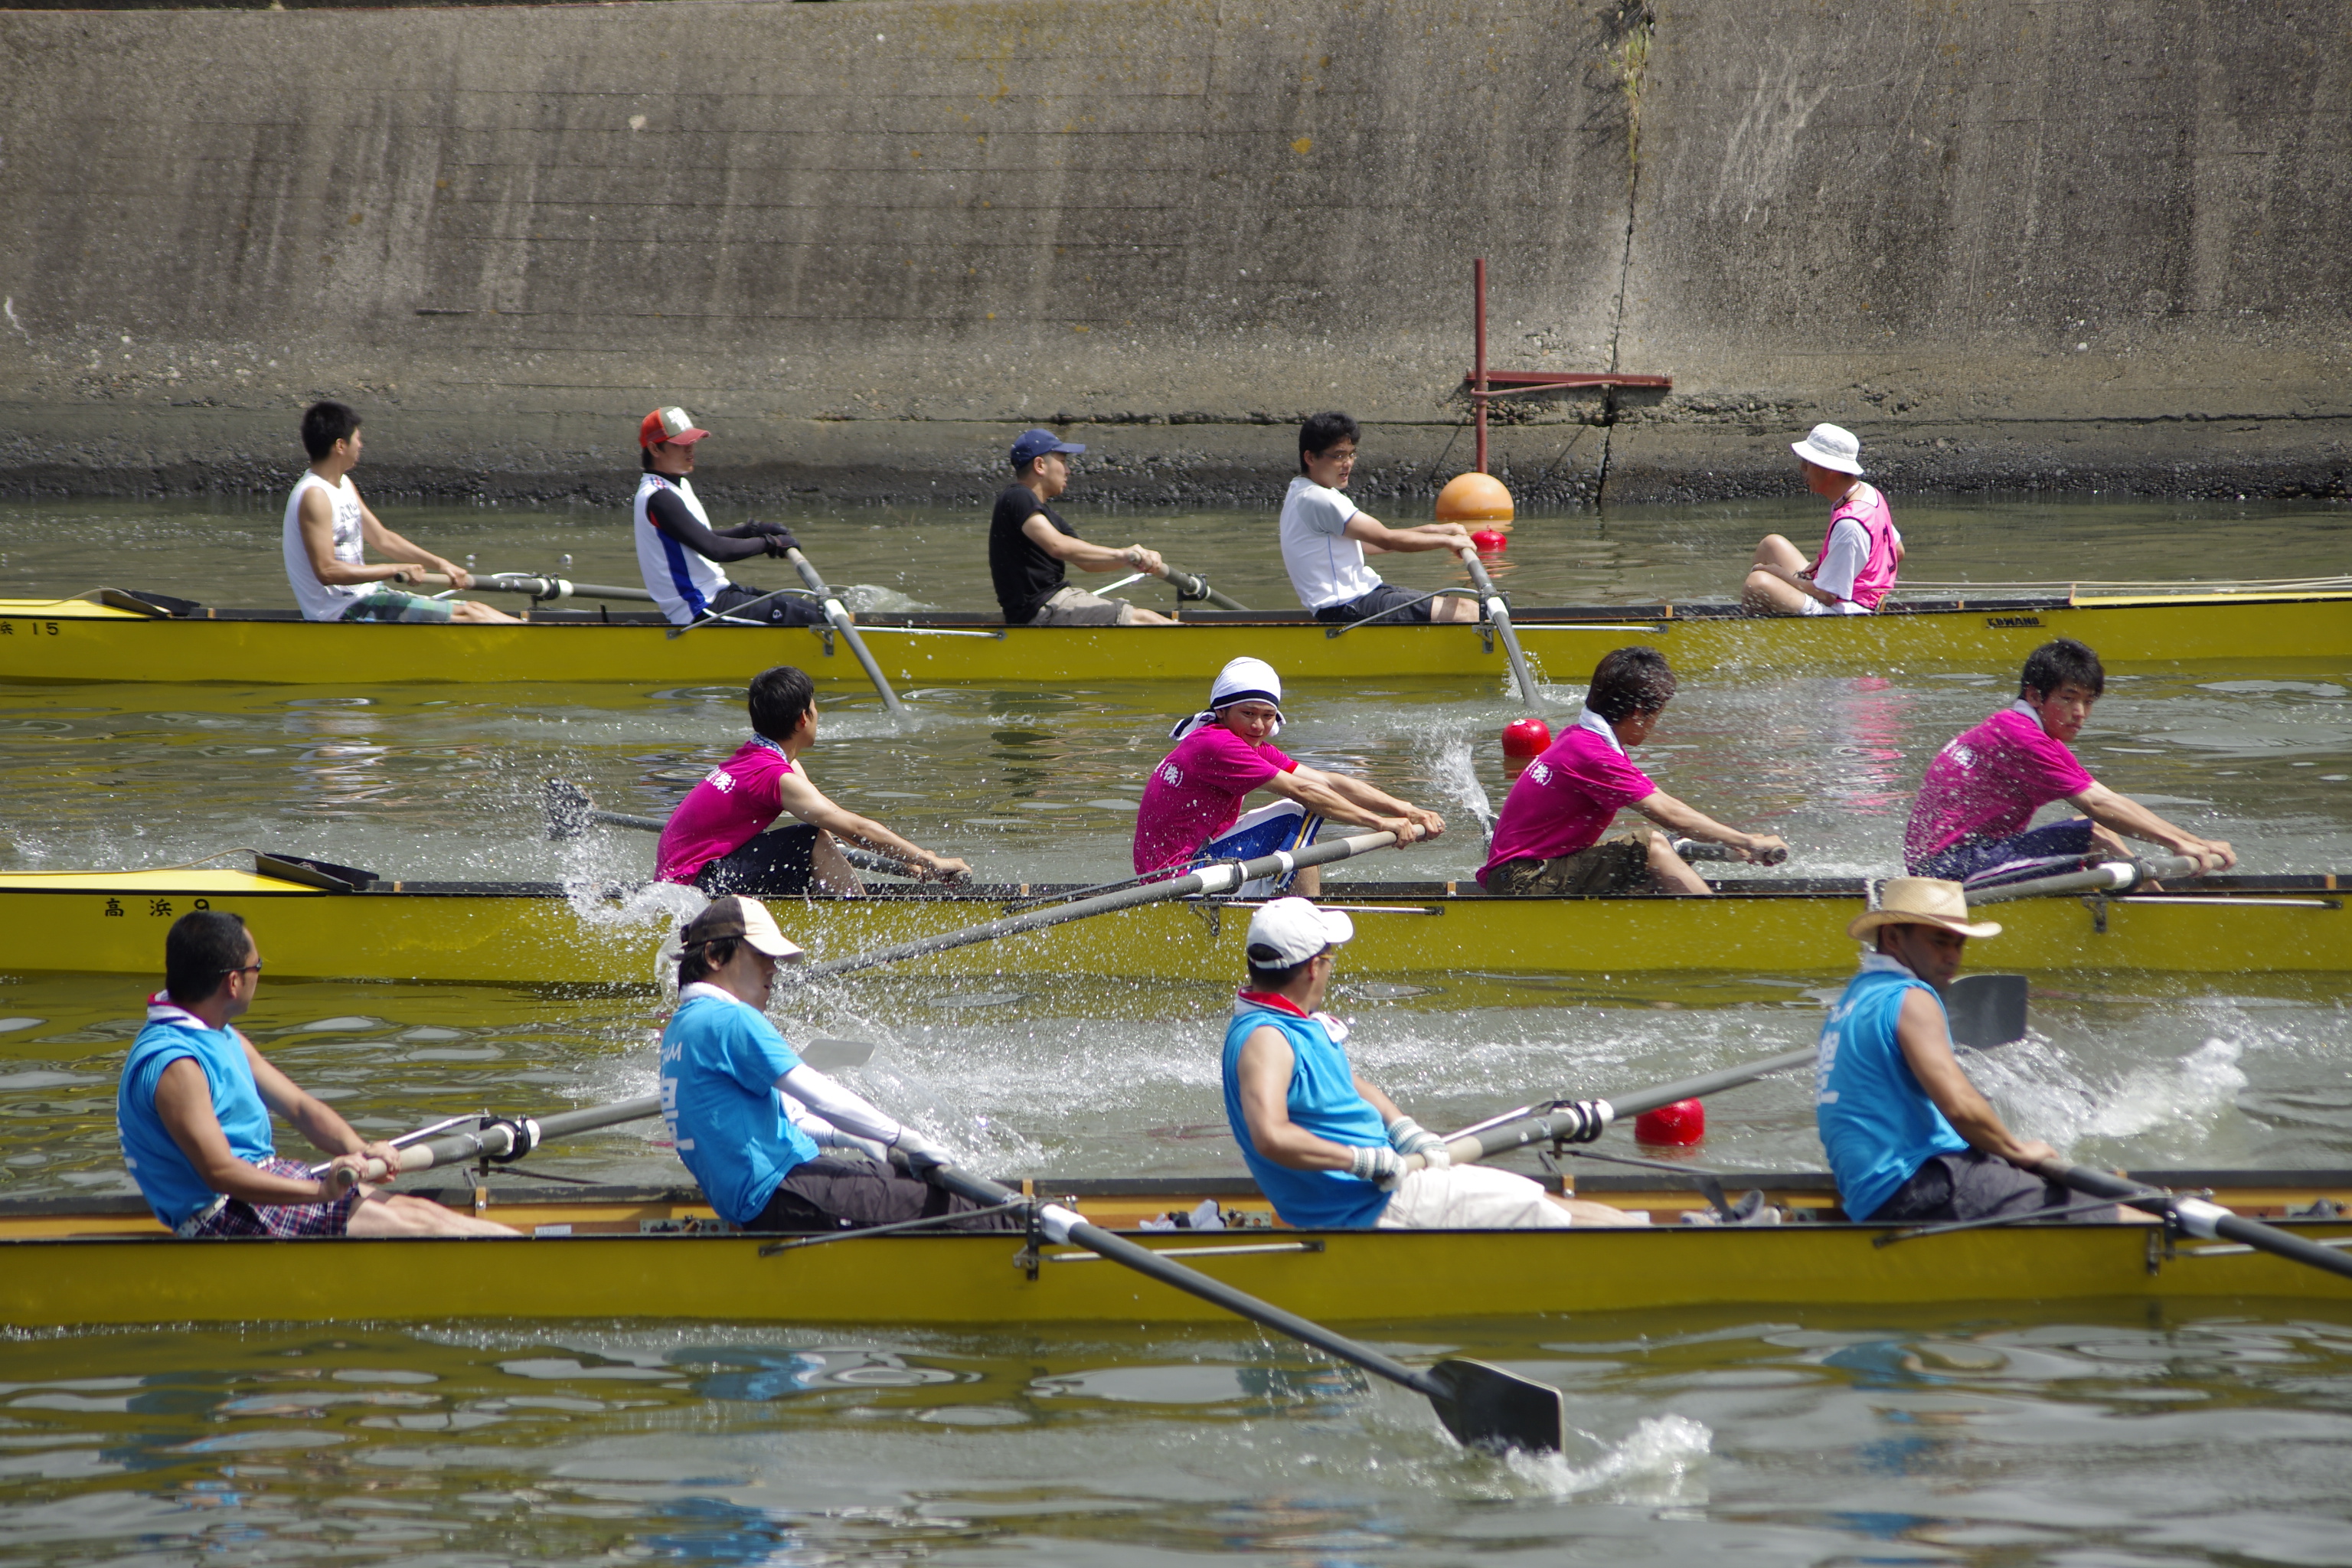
(1487, 1407)
(828, 1053)
(1987, 1010)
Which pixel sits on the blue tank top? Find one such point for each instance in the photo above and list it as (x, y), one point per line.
(720, 1059)
(1876, 1123)
(166, 1180)
(1323, 1100)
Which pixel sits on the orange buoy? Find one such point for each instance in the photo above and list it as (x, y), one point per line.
(1523, 739)
(1474, 498)
(1676, 1126)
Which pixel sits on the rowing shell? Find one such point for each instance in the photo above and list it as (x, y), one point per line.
(660, 1254)
(120, 640)
(113, 922)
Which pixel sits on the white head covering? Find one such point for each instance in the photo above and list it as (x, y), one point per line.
(1245, 679)
(1831, 446)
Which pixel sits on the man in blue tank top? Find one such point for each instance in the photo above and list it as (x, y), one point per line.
(193, 1113)
(1328, 1148)
(1910, 1138)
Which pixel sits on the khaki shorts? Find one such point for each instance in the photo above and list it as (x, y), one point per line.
(1074, 606)
(1619, 865)
(1471, 1197)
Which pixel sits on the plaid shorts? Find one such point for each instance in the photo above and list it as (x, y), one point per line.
(392, 605)
(237, 1217)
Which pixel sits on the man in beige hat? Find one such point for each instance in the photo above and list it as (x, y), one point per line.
(1910, 1138)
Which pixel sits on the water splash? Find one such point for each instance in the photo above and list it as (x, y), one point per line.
(1453, 772)
(1651, 1464)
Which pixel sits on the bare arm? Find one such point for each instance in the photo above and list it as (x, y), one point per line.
(1312, 788)
(2105, 807)
(317, 521)
(1040, 531)
(1382, 806)
(184, 1103)
(1264, 1069)
(812, 805)
(1926, 1044)
(1802, 584)
(1676, 817)
(1377, 536)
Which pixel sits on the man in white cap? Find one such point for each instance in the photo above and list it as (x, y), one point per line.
(1328, 1148)
(1910, 1138)
(1192, 808)
(1030, 548)
(681, 554)
(1860, 555)
(749, 1116)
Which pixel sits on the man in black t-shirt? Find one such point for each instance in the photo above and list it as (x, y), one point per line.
(1029, 548)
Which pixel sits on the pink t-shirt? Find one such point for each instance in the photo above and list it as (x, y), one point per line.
(1564, 801)
(734, 801)
(1988, 782)
(1196, 793)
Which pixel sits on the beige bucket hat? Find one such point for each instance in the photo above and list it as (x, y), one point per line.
(1921, 901)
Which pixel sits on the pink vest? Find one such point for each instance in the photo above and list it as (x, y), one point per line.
(1876, 578)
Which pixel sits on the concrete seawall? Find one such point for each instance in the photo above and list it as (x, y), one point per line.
(2015, 243)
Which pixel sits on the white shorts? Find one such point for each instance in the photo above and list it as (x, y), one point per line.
(1471, 1197)
(1842, 607)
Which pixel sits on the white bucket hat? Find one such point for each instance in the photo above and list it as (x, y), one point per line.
(1831, 446)
(1292, 931)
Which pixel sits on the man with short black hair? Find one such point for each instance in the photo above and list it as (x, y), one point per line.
(749, 1116)
(329, 530)
(1030, 548)
(192, 1111)
(1326, 1147)
(717, 838)
(1324, 538)
(679, 553)
(1969, 823)
(1548, 839)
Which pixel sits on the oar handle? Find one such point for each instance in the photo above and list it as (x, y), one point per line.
(501, 1138)
(2196, 1216)
(1700, 850)
(1188, 586)
(2112, 876)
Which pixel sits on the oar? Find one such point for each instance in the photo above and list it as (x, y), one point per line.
(570, 812)
(2196, 1216)
(2111, 877)
(839, 616)
(1696, 850)
(1222, 877)
(1481, 1405)
(542, 589)
(501, 1139)
(1500, 614)
(1188, 586)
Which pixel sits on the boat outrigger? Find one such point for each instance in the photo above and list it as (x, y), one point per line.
(113, 636)
(317, 919)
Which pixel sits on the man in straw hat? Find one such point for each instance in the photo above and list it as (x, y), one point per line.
(1910, 1138)
(1860, 555)
(749, 1116)
(1328, 1148)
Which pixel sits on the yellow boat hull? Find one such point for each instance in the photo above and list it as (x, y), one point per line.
(113, 922)
(76, 641)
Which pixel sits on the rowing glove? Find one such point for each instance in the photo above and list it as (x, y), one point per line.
(1379, 1164)
(780, 537)
(922, 1153)
(1407, 1136)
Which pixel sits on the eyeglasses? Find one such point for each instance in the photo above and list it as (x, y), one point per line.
(252, 968)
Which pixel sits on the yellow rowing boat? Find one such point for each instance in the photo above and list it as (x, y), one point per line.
(334, 923)
(126, 638)
(638, 1254)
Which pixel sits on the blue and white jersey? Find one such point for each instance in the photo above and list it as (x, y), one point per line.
(166, 1180)
(683, 581)
(1876, 1123)
(720, 1059)
(1324, 1101)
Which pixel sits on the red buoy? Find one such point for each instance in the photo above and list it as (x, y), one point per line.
(1523, 739)
(1490, 542)
(1676, 1126)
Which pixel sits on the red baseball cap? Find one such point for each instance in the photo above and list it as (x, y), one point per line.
(672, 424)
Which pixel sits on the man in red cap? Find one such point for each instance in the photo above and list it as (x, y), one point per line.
(678, 551)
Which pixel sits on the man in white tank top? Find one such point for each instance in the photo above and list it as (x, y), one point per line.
(329, 530)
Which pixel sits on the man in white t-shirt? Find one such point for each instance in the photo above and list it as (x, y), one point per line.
(1324, 538)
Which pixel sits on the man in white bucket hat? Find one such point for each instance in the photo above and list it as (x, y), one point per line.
(1328, 1148)
(1860, 556)
(1910, 1140)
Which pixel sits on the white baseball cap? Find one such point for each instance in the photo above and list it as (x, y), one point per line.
(1292, 931)
(745, 918)
(1831, 446)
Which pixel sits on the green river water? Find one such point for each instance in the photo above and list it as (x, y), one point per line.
(2093, 1437)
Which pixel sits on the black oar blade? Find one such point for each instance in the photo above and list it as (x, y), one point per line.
(1487, 1407)
(1987, 1010)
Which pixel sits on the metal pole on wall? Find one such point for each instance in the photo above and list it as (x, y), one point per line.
(1478, 370)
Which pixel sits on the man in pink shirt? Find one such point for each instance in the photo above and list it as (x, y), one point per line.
(1547, 839)
(715, 839)
(1969, 823)
(1191, 809)
(1861, 555)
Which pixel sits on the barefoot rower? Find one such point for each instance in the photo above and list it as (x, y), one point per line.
(1969, 823)
(680, 553)
(1192, 808)
(717, 838)
(328, 531)
(1548, 839)
(1860, 556)
(193, 1113)
(1030, 548)
(1324, 538)
(1325, 1146)
(724, 1069)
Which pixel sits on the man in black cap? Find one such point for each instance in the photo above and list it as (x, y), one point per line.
(1029, 547)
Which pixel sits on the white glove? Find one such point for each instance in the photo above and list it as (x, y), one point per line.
(922, 1153)
(1379, 1164)
(1407, 1136)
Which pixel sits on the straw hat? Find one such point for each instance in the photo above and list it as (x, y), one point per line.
(1921, 901)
